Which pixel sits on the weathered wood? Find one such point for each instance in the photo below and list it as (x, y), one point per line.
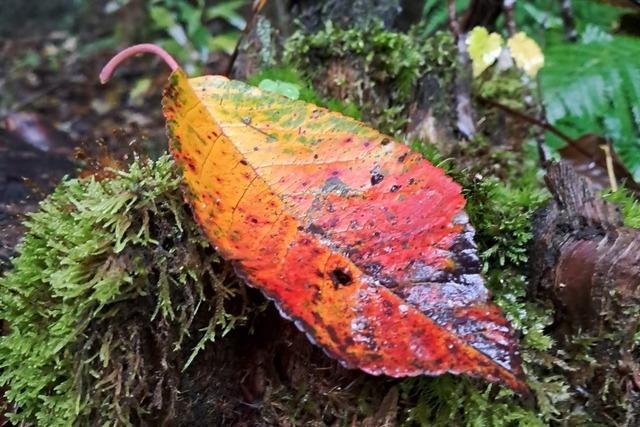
(584, 259)
(588, 264)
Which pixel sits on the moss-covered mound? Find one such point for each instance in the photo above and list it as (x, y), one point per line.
(113, 294)
(115, 299)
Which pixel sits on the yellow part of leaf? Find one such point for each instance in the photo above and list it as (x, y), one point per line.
(484, 49)
(526, 53)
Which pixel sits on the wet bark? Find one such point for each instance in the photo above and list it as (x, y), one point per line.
(587, 264)
(566, 11)
(584, 258)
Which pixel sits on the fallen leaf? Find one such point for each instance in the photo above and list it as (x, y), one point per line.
(526, 53)
(589, 160)
(357, 239)
(38, 132)
(484, 49)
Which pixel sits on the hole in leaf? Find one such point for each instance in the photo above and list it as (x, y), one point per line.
(340, 277)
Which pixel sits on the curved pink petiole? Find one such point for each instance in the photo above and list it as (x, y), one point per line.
(111, 66)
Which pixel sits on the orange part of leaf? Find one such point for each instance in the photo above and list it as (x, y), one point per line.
(358, 240)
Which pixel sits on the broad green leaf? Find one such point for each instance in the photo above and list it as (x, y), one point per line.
(603, 97)
(162, 17)
(227, 11)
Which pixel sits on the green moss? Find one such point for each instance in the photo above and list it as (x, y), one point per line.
(384, 51)
(503, 86)
(381, 59)
(447, 400)
(290, 75)
(112, 277)
(628, 204)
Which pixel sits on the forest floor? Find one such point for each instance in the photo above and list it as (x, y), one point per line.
(56, 119)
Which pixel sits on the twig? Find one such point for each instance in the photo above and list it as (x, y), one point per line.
(534, 121)
(508, 6)
(256, 8)
(609, 160)
(566, 11)
(454, 26)
(542, 117)
(465, 122)
(30, 99)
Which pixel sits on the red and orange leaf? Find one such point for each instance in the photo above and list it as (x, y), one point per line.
(361, 242)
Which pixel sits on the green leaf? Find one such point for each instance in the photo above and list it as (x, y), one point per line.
(227, 11)
(225, 42)
(289, 90)
(162, 17)
(542, 17)
(484, 49)
(595, 88)
(191, 16)
(526, 53)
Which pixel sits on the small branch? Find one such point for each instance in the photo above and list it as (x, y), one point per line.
(256, 8)
(532, 120)
(566, 11)
(464, 111)
(610, 172)
(30, 100)
(483, 13)
(508, 6)
(454, 26)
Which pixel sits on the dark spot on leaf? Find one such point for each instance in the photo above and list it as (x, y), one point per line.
(373, 268)
(333, 334)
(340, 277)
(385, 141)
(376, 177)
(388, 282)
(395, 188)
(315, 229)
(403, 157)
(387, 307)
(244, 162)
(317, 318)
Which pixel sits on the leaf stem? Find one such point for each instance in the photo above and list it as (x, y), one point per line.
(111, 66)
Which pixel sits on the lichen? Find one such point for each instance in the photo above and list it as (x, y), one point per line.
(108, 300)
